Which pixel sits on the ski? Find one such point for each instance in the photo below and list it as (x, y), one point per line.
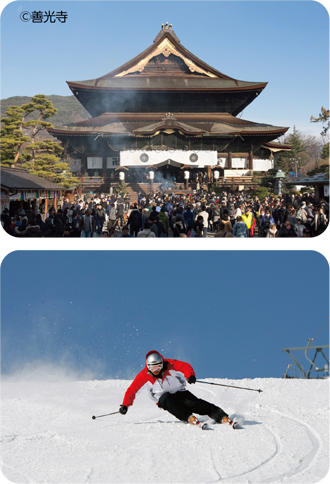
(204, 426)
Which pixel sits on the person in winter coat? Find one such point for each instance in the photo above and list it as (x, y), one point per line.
(165, 381)
(100, 217)
(240, 229)
(59, 224)
(164, 219)
(135, 220)
(43, 226)
(188, 217)
(197, 228)
(228, 230)
(33, 229)
(147, 232)
(160, 228)
(221, 230)
(267, 218)
(20, 230)
(287, 230)
(87, 224)
(300, 227)
(121, 211)
(302, 214)
(310, 214)
(271, 234)
(112, 215)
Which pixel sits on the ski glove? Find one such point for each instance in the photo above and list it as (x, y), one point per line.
(123, 409)
(191, 379)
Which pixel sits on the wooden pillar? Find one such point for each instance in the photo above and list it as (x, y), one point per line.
(251, 160)
(46, 203)
(230, 162)
(83, 167)
(104, 167)
(34, 206)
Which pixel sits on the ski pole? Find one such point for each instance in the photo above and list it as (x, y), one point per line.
(230, 386)
(106, 415)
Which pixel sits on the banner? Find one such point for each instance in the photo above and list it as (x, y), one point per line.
(237, 173)
(94, 162)
(22, 195)
(113, 161)
(199, 159)
(263, 165)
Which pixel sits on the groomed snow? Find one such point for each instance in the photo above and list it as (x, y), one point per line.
(48, 435)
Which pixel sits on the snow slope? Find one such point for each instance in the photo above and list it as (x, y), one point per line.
(48, 435)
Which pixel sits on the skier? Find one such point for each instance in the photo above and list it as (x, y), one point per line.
(165, 381)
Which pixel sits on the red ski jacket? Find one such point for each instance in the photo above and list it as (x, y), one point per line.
(172, 379)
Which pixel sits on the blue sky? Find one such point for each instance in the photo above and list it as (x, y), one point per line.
(229, 313)
(285, 43)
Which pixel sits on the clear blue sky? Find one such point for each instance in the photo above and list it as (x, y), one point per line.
(285, 43)
(229, 313)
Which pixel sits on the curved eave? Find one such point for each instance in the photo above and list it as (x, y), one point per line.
(66, 132)
(278, 146)
(120, 87)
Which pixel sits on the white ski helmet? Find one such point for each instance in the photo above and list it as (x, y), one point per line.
(154, 359)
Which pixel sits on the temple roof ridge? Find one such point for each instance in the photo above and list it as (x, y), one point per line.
(167, 28)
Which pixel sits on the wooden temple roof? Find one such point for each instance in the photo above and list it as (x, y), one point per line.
(147, 124)
(19, 179)
(166, 64)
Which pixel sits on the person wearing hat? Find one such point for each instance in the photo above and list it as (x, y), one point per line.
(165, 381)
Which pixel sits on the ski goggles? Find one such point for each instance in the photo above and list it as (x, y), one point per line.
(154, 368)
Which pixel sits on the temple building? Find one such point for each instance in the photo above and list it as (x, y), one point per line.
(167, 115)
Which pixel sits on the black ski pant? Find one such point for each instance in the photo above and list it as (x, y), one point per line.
(183, 404)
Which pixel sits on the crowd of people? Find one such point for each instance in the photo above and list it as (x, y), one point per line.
(200, 214)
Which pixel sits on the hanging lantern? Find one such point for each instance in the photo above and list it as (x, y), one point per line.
(186, 175)
(216, 174)
(151, 175)
(121, 176)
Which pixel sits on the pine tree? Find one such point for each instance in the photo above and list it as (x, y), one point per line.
(12, 136)
(286, 160)
(19, 145)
